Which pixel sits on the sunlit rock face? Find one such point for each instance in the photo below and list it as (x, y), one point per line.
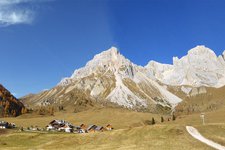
(200, 67)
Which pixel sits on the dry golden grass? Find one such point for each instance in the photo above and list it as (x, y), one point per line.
(161, 137)
(213, 117)
(130, 131)
(212, 100)
(119, 118)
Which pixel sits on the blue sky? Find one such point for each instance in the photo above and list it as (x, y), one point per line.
(42, 41)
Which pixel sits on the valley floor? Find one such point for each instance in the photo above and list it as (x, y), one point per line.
(130, 132)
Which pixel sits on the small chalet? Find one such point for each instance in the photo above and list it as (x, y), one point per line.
(109, 127)
(83, 126)
(94, 128)
(82, 129)
(66, 128)
(99, 128)
(60, 125)
(91, 128)
(4, 125)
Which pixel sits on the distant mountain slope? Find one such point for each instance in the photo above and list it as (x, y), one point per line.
(109, 79)
(198, 99)
(9, 105)
(201, 67)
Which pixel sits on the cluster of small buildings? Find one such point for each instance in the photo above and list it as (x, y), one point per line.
(64, 126)
(6, 125)
(60, 126)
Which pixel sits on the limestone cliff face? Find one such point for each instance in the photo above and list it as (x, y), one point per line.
(200, 67)
(9, 105)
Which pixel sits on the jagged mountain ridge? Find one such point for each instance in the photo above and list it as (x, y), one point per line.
(123, 71)
(200, 67)
(111, 78)
(9, 105)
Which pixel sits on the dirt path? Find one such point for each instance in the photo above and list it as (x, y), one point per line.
(194, 132)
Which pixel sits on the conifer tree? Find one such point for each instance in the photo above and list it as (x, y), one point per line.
(153, 121)
(173, 117)
(162, 119)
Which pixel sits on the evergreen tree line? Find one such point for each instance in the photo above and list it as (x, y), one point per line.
(152, 122)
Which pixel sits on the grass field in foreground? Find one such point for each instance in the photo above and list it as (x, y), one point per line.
(144, 137)
(131, 132)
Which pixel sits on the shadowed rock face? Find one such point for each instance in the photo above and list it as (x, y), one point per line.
(9, 105)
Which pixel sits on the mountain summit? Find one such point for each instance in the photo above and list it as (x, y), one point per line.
(200, 67)
(110, 59)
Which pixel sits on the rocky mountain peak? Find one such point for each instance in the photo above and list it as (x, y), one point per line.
(108, 60)
(111, 54)
(201, 52)
(200, 67)
(200, 49)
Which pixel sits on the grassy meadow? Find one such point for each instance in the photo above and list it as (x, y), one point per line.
(131, 131)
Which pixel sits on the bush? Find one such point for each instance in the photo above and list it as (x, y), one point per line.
(148, 122)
